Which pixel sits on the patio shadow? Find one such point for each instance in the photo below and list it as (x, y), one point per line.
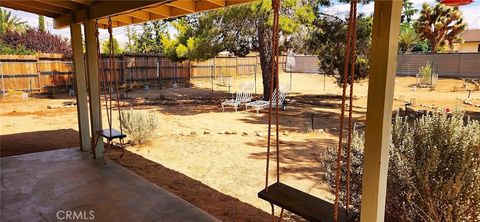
(221, 206)
(38, 141)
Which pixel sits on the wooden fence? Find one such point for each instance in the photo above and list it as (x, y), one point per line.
(35, 72)
(50, 71)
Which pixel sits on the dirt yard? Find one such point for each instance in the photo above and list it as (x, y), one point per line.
(215, 159)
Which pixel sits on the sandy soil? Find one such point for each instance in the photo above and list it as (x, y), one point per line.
(215, 159)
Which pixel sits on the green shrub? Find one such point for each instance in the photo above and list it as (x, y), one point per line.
(434, 169)
(140, 127)
(18, 50)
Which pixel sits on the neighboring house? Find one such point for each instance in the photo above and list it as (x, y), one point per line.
(471, 42)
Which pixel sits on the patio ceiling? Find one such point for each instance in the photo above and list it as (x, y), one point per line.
(122, 12)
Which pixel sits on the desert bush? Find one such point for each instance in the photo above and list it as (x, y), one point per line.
(140, 127)
(433, 172)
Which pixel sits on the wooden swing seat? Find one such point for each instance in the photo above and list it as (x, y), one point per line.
(105, 133)
(303, 204)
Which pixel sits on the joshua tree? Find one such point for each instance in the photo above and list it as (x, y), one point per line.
(440, 25)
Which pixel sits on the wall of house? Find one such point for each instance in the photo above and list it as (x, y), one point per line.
(466, 47)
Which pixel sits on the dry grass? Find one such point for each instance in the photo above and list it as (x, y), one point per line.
(222, 149)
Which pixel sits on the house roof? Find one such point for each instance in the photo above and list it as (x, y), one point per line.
(472, 35)
(122, 12)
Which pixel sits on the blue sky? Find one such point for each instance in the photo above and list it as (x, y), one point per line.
(471, 15)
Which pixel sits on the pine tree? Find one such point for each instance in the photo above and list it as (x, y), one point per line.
(132, 38)
(145, 43)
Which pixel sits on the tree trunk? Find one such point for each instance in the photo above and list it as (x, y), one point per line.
(265, 51)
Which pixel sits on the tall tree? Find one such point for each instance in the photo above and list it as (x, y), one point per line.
(408, 11)
(440, 25)
(11, 22)
(149, 40)
(159, 29)
(116, 46)
(328, 41)
(132, 38)
(41, 23)
(242, 29)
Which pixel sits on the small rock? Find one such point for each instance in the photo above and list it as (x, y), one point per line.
(54, 107)
(206, 132)
(227, 132)
(220, 132)
(285, 133)
(193, 133)
(244, 134)
(258, 133)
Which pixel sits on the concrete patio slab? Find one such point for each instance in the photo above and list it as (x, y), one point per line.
(57, 185)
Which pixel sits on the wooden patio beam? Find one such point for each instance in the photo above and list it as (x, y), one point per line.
(70, 5)
(186, 5)
(163, 10)
(15, 5)
(381, 82)
(103, 9)
(142, 15)
(221, 3)
(83, 2)
(80, 86)
(93, 83)
(39, 6)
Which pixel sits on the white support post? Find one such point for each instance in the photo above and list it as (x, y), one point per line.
(93, 83)
(81, 86)
(386, 28)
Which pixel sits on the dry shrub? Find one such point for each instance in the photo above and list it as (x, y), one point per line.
(139, 126)
(434, 169)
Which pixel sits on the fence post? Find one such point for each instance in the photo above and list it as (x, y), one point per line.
(236, 66)
(38, 73)
(255, 73)
(214, 67)
(158, 74)
(3, 81)
(122, 73)
(211, 76)
(458, 65)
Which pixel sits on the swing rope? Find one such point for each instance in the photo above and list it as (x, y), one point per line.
(349, 69)
(274, 79)
(281, 193)
(109, 81)
(115, 76)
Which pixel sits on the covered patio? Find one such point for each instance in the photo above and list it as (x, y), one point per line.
(70, 180)
(52, 185)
